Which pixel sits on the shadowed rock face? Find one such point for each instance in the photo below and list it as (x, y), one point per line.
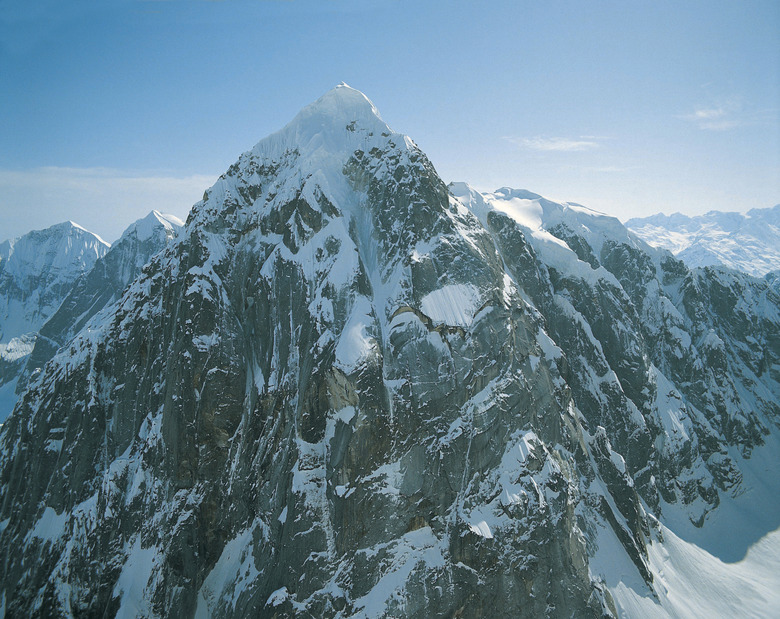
(349, 390)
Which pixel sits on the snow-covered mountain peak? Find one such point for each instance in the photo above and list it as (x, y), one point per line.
(154, 224)
(322, 161)
(65, 229)
(64, 247)
(37, 271)
(345, 99)
(69, 225)
(339, 121)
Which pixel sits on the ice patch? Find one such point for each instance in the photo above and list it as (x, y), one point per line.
(233, 573)
(416, 548)
(671, 411)
(453, 304)
(204, 342)
(278, 597)
(525, 445)
(355, 343)
(482, 529)
(50, 525)
(131, 586)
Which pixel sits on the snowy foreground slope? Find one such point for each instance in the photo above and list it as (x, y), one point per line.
(348, 390)
(749, 242)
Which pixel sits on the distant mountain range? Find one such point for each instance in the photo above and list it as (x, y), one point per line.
(746, 242)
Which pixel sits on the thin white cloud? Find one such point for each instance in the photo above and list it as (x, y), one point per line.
(556, 144)
(102, 200)
(612, 169)
(721, 125)
(714, 119)
(721, 117)
(708, 113)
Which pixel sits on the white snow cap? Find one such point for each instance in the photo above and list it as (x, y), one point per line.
(154, 223)
(342, 102)
(322, 124)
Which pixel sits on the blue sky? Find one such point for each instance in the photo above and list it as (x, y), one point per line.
(112, 108)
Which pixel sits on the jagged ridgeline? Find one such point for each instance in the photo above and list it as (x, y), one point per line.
(348, 390)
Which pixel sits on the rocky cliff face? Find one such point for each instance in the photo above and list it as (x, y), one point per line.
(349, 390)
(677, 365)
(37, 271)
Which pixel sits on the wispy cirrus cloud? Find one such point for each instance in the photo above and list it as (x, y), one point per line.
(718, 118)
(556, 144)
(727, 114)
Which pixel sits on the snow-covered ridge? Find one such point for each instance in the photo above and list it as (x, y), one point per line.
(747, 242)
(542, 221)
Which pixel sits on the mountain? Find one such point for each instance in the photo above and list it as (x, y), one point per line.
(350, 390)
(37, 271)
(94, 289)
(749, 242)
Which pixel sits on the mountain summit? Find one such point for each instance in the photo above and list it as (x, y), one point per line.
(337, 124)
(348, 390)
(339, 108)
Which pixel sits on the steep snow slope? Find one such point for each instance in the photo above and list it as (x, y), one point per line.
(749, 243)
(349, 391)
(36, 273)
